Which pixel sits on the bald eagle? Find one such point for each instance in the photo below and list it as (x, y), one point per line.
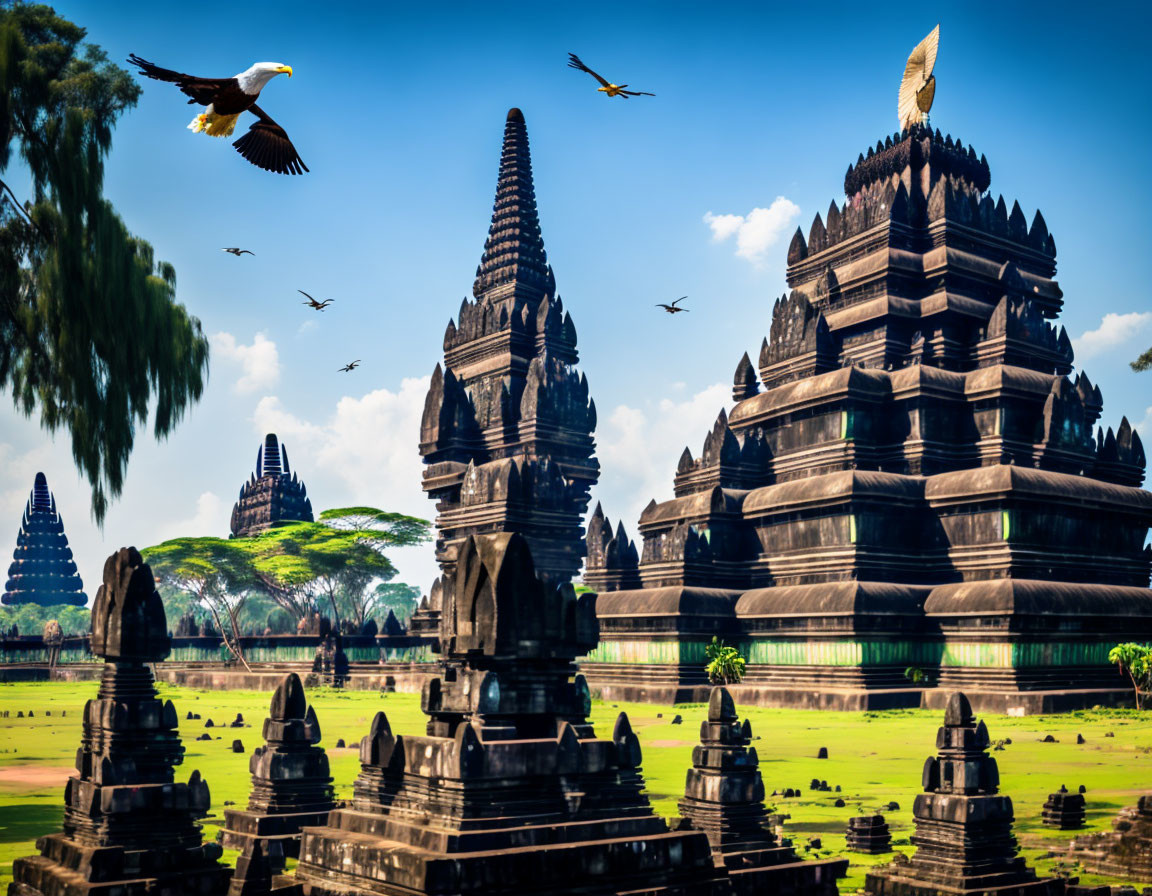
(266, 145)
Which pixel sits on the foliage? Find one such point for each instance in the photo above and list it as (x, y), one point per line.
(916, 675)
(90, 333)
(215, 573)
(1144, 362)
(725, 664)
(398, 597)
(1135, 661)
(31, 618)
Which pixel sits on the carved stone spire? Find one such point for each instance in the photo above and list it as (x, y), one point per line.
(514, 259)
(43, 571)
(274, 495)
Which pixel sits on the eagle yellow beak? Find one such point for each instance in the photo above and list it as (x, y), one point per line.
(285, 70)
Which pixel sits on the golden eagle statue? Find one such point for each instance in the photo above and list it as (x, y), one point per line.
(918, 86)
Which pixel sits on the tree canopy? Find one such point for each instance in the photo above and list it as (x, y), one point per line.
(1144, 362)
(90, 333)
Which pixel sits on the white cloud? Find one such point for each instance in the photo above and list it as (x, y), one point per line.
(210, 516)
(639, 448)
(757, 231)
(1114, 330)
(259, 362)
(307, 327)
(1144, 427)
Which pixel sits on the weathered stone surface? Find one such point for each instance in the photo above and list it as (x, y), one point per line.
(42, 571)
(1064, 810)
(868, 834)
(272, 495)
(964, 841)
(291, 783)
(1125, 851)
(129, 827)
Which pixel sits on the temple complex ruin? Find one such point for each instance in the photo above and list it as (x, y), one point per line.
(272, 495)
(43, 571)
(129, 827)
(1125, 851)
(909, 478)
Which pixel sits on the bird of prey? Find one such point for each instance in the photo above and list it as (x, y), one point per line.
(266, 145)
(234, 250)
(605, 86)
(319, 306)
(672, 309)
(349, 367)
(918, 86)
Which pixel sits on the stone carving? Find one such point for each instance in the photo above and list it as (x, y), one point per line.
(1125, 851)
(291, 784)
(1064, 810)
(868, 834)
(43, 571)
(129, 827)
(272, 495)
(964, 841)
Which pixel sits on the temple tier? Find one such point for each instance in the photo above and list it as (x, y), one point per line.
(43, 571)
(272, 495)
(908, 478)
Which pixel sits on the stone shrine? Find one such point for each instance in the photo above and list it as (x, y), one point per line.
(1064, 810)
(908, 477)
(272, 495)
(964, 841)
(43, 571)
(507, 426)
(724, 798)
(868, 834)
(1125, 851)
(291, 784)
(510, 791)
(129, 828)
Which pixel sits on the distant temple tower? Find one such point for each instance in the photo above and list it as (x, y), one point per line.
(908, 478)
(43, 571)
(507, 426)
(272, 496)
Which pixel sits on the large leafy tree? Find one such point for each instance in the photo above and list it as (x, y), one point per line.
(90, 333)
(1135, 661)
(216, 573)
(1144, 362)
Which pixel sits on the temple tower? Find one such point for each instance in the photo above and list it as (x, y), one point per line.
(272, 495)
(507, 426)
(43, 571)
(908, 478)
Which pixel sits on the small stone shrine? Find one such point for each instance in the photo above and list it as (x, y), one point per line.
(869, 834)
(330, 665)
(291, 784)
(510, 791)
(1126, 850)
(724, 798)
(964, 841)
(129, 828)
(272, 495)
(1064, 810)
(43, 571)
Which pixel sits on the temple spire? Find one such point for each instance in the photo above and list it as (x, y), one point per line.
(514, 260)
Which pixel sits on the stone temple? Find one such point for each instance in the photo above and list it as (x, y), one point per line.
(272, 495)
(909, 477)
(43, 571)
(507, 427)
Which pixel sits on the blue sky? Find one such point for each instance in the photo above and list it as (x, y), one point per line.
(399, 112)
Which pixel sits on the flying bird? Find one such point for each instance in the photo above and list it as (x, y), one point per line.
(606, 87)
(319, 306)
(233, 250)
(266, 145)
(672, 309)
(349, 367)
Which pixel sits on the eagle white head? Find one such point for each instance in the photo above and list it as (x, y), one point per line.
(252, 80)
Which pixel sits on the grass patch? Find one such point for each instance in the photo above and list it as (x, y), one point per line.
(875, 757)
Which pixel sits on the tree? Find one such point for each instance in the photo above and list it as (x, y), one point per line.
(90, 332)
(1135, 661)
(398, 597)
(1144, 362)
(216, 573)
(725, 665)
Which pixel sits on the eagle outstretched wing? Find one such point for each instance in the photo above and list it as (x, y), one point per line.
(918, 86)
(266, 145)
(574, 62)
(201, 90)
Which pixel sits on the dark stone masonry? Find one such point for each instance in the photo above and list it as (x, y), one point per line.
(272, 495)
(1125, 851)
(43, 571)
(868, 834)
(911, 475)
(129, 828)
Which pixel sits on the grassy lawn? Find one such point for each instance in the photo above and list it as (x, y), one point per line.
(874, 757)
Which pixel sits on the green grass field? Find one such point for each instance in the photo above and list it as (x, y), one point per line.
(874, 757)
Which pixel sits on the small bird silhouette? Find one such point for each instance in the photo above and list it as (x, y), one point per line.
(319, 306)
(233, 250)
(606, 87)
(350, 367)
(672, 309)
